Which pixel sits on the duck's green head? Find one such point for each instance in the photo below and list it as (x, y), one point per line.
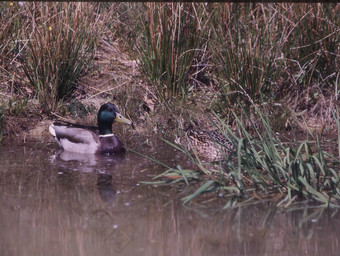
(108, 113)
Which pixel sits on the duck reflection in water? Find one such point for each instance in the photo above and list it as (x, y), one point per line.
(103, 165)
(105, 187)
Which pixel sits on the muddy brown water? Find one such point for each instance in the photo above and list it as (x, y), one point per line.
(58, 203)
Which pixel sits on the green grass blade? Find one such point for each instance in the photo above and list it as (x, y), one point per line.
(199, 191)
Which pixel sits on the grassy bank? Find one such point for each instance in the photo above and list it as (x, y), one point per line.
(215, 54)
(259, 68)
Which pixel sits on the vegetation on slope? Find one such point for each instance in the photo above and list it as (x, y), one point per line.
(247, 70)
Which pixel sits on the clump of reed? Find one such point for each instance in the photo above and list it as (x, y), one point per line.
(261, 166)
(60, 44)
(280, 50)
(51, 44)
(172, 50)
(9, 29)
(247, 45)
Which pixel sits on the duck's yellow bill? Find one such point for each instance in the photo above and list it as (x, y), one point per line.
(121, 119)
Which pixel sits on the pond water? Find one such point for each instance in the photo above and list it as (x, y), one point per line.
(58, 203)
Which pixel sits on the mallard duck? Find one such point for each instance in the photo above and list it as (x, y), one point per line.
(91, 139)
(210, 145)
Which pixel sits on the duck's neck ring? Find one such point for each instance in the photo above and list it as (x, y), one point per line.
(106, 135)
